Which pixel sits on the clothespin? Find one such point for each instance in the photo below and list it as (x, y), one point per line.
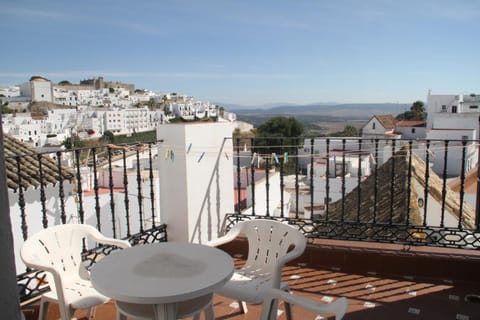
(201, 156)
(167, 154)
(226, 156)
(253, 158)
(189, 147)
(172, 155)
(258, 163)
(275, 158)
(285, 157)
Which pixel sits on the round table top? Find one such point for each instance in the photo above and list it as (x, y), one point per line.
(164, 272)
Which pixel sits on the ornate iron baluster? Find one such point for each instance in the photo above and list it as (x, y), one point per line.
(359, 179)
(95, 188)
(139, 187)
(426, 191)
(282, 185)
(125, 188)
(267, 185)
(297, 186)
(444, 185)
(327, 181)
(409, 183)
(239, 182)
(342, 217)
(375, 185)
(462, 184)
(392, 185)
(61, 192)
(21, 200)
(43, 198)
(312, 188)
(252, 166)
(79, 186)
(152, 194)
(110, 185)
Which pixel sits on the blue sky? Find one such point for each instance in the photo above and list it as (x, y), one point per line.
(250, 52)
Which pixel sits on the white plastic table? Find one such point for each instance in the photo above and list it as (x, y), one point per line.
(162, 274)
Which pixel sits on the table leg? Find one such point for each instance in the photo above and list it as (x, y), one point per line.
(166, 311)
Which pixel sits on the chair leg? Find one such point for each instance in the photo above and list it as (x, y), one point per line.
(65, 312)
(121, 316)
(288, 306)
(288, 310)
(243, 306)
(91, 312)
(209, 313)
(43, 314)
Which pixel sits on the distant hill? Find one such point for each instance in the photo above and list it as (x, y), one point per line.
(322, 118)
(347, 111)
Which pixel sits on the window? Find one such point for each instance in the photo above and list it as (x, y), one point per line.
(454, 109)
(413, 130)
(444, 108)
(373, 125)
(473, 107)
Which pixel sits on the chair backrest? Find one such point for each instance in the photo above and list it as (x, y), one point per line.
(270, 240)
(58, 247)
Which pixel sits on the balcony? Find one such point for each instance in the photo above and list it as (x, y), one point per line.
(390, 254)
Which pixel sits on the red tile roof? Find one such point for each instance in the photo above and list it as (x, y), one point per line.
(387, 120)
(411, 123)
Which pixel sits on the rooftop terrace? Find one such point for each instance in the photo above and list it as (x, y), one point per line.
(380, 281)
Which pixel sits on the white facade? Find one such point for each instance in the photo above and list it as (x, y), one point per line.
(374, 128)
(411, 132)
(10, 91)
(453, 117)
(38, 89)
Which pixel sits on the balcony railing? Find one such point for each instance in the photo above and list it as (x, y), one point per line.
(397, 197)
(112, 188)
(377, 190)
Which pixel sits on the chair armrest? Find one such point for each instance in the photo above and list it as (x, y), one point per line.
(338, 307)
(98, 237)
(230, 236)
(115, 242)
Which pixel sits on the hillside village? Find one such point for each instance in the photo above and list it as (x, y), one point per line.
(44, 113)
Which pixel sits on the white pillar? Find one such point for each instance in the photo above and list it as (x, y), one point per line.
(196, 183)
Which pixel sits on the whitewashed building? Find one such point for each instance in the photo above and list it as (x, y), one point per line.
(453, 117)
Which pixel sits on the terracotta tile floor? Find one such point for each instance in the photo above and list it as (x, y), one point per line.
(371, 296)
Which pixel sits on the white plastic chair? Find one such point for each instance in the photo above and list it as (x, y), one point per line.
(185, 309)
(269, 310)
(57, 250)
(271, 244)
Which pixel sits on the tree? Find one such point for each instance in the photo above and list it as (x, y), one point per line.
(73, 142)
(108, 136)
(279, 135)
(151, 104)
(416, 112)
(280, 127)
(348, 131)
